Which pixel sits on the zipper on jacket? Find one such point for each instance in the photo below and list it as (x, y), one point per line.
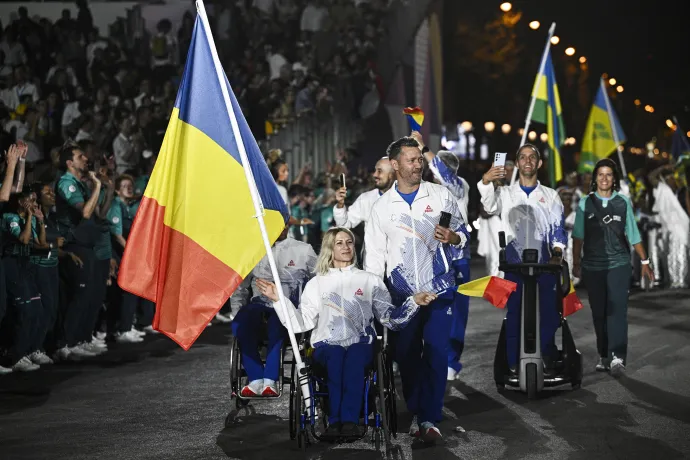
(414, 252)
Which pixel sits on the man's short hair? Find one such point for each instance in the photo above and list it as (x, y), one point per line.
(530, 147)
(67, 153)
(393, 150)
(449, 159)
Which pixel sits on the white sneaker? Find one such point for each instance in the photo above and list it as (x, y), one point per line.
(79, 352)
(221, 318)
(38, 357)
(95, 339)
(25, 365)
(93, 348)
(254, 389)
(617, 367)
(414, 427)
(5, 370)
(270, 389)
(127, 337)
(452, 374)
(137, 332)
(63, 354)
(100, 336)
(602, 365)
(151, 330)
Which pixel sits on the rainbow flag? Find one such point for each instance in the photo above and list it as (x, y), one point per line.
(492, 288)
(599, 140)
(571, 302)
(415, 117)
(195, 236)
(547, 111)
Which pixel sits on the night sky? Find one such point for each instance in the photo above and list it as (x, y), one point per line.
(645, 45)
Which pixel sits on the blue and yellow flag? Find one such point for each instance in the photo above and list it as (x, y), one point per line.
(602, 129)
(195, 236)
(415, 117)
(547, 110)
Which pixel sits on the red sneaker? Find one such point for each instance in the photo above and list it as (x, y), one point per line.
(252, 390)
(431, 435)
(270, 392)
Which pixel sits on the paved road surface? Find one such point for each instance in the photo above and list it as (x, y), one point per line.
(155, 401)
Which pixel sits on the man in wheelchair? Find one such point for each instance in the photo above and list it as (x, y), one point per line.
(339, 305)
(295, 261)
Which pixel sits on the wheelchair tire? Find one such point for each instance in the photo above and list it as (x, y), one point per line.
(234, 367)
(391, 408)
(294, 404)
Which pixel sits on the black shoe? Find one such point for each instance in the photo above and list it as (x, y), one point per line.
(350, 431)
(332, 432)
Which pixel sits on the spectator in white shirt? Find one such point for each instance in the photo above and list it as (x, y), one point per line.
(23, 86)
(14, 51)
(60, 64)
(313, 16)
(123, 148)
(275, 61)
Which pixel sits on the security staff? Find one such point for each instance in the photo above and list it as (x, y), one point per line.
(605, 226)
(75, 208)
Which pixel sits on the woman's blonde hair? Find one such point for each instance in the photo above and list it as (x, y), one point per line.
(325, 259)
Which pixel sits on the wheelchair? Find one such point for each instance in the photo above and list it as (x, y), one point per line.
(238, 376)
(309, 419)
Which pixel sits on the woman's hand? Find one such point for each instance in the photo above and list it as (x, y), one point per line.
(647, 272)
(424, 298)
(267, 289)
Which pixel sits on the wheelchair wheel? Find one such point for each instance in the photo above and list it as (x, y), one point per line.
(234, 367)
(294, 413)
(391, 396)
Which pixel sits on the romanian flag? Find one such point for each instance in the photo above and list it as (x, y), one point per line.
(547, 111)
(415, 117)
(571, 302)
(494, 289)
(196, 235)
(601, 133)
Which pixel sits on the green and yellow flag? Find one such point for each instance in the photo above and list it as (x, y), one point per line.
(547, 111)
(603, 128)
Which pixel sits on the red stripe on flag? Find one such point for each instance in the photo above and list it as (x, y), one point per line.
(498, 291)
(571, 304)
(188, 284)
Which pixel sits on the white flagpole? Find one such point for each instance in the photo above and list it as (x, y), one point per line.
(535, 91)
(256, 198)
(616, 137)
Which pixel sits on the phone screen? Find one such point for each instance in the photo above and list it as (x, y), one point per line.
(342, 180)
(500, 158)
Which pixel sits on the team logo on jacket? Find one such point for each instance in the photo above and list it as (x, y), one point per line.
(428, 209)
(541, 200)
(291, 264)
(359, 292)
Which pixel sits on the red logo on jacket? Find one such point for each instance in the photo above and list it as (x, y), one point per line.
(428, 209)
(291, 264)
(359, 292)
(541, 200)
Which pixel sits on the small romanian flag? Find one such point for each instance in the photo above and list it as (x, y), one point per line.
(571, 302)
(415, 117)
(492, 288)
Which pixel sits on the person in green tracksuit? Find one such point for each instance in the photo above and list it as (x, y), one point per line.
(605, 228)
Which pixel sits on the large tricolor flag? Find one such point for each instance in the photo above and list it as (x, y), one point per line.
(602, 131)
(196, 236)
(547, 110)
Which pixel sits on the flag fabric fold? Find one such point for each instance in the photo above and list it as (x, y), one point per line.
(415, 117)
(196, 236)
(600, 133)
(547, 111)
(492, 288)
(571, 302)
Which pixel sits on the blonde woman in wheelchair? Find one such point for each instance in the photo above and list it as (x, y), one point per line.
(339, 305)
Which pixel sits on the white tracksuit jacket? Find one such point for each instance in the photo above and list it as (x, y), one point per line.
(341, 306)
(295, 261)
(400, 241)
(357, 213)
(529, 222)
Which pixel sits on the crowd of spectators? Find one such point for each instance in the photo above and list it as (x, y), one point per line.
(83, 113)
